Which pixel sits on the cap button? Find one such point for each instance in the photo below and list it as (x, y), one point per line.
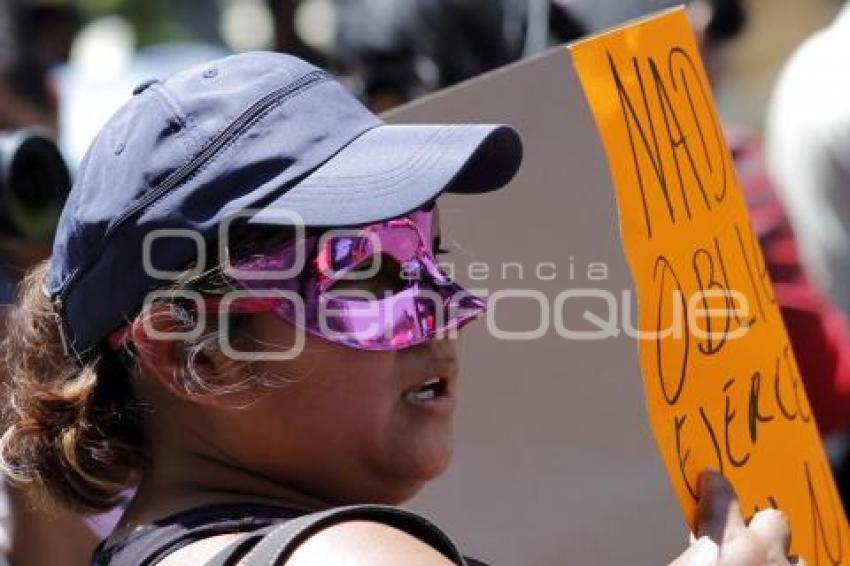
(140, 88)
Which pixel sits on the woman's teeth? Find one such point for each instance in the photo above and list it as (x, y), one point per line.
(430, 390)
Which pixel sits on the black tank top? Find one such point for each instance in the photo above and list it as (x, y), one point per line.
(152, 543)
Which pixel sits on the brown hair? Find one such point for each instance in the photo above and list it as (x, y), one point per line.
(74, 435)
(74, 431)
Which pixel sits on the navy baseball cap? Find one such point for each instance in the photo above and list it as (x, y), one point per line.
(262, 132)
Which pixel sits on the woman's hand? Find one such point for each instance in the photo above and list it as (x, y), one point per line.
(723, 539)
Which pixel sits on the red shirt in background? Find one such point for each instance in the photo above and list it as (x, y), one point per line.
(817, 329)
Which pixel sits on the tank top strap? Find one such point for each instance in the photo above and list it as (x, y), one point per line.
(149, 544)
(274, 545)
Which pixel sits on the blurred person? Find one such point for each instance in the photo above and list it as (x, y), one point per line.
(403, 49)
(35, 36)
(808, 149)
(25, 95)
(287, 37)
(46, 29)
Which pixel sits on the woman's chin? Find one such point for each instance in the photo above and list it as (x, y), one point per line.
(410, 488)
(429, 463)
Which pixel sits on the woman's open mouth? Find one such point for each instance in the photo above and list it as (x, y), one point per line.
(434, 394)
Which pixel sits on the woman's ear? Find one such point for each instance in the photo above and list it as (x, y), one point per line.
(163, 355)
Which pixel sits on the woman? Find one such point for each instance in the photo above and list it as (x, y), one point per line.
(204, 331)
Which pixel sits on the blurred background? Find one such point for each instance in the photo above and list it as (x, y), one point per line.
(95, 51)
(775, 28)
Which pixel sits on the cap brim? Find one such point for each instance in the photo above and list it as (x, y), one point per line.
(393, 169)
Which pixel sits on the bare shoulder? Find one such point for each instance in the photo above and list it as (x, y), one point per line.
(356, 543)
(353, 543)
(198, 552)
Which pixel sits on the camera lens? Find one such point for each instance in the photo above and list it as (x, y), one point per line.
(34, 185)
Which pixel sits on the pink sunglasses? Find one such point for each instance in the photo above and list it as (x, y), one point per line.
(378, 287)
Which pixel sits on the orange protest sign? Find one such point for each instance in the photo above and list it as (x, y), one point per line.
(721, 383)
